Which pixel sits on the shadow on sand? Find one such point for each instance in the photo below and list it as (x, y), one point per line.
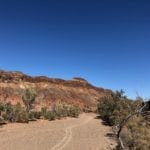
(104, 122)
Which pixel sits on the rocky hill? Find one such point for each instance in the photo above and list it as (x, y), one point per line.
(50, 91)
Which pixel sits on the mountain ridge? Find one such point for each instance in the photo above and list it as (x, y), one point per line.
(76, 91)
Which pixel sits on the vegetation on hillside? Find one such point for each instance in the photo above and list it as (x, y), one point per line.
(130, 123)
(28, 98)
(18, 113)
(130, 119)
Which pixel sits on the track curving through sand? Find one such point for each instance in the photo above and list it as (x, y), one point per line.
(85, 132)
(61, 145)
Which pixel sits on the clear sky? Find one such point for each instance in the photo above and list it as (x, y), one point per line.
(105, 41)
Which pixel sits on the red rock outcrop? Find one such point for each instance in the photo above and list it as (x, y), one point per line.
(50, 90)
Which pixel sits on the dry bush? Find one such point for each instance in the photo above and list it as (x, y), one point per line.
(133, 129)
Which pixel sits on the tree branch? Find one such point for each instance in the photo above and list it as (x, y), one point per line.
(123, 123)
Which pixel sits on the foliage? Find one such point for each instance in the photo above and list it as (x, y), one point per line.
(20, 115)
(29, 98)
(60, 112)
(2, 121)
(51, 115)
(17, 113)
(110, 107)
(68, 110)
(37, 114)
(13, 113)
(2, 107)
(74, 111)
(43, 112)
(136, 130)
(139, 132)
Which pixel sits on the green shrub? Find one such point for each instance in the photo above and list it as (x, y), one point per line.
(135, 132)
(106, 107)
(31, 116)
(2, 121)
(8, 113)
(43, 112)
(37, 114)
(62, 111)
(22, 117)
(115, 108)
(74, 111)
(15, 113)
(2, 107)
(28, 98)
(50, 115)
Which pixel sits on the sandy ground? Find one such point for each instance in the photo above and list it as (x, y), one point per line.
(84, 133)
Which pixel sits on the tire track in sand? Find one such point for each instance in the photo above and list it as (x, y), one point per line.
(68, 136)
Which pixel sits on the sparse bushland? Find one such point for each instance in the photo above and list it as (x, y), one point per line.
(132, 128)
(136, 134)
(17, 113)
(60, 111)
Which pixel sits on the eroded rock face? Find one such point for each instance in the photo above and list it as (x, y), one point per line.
(50, 90)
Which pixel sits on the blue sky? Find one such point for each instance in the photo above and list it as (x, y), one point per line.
(106, 42)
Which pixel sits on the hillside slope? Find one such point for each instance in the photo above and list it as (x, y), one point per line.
(50, 91)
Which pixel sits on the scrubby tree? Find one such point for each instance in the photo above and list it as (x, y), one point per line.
(28, 98)
(111, 106)
(74, 111)
(12, 113)
(128, 118)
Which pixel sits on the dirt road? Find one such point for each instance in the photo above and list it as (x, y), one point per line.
(84, 133)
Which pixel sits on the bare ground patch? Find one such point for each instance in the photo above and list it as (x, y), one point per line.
(86, 133)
